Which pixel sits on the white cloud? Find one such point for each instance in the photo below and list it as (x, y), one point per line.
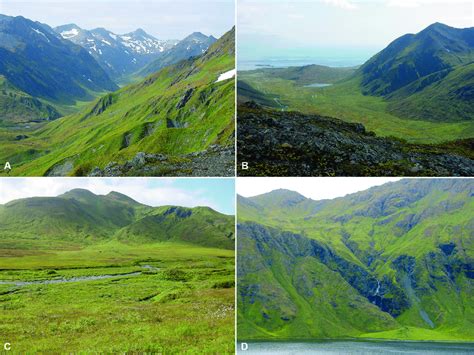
(417, 3)
(152, 192)
(317, 188)
(343, 4)
(403, 3)
(323, 31)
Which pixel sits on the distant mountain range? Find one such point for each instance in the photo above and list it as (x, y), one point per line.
(37, 61)
(83, 218)
(136, 53)
(118, 55)
(49, 72)
(392, 262)
(192, 46)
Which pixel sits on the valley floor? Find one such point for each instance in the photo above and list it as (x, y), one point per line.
(345, 101)
(118, 298)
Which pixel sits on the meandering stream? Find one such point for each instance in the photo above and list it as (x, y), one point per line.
(75, 278)
(65, 280)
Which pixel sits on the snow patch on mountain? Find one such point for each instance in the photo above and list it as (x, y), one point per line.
(122, 54)
(69, 34)
(40, 33)
(226, 76)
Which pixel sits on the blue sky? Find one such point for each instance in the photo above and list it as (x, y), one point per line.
(164, 19)
(338, 27)
(218, 194)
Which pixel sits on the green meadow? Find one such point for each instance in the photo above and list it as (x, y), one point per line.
(153, 298)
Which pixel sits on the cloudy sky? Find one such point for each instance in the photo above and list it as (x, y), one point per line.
(218, 194)
(164, 19)
(315, 188)
(273, 27)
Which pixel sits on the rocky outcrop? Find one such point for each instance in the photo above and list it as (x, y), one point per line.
(214, 161)
(185, 98)
(294, 144)
(101, 105)
(178, 211)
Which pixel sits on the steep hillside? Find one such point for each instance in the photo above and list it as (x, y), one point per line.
(394, 261)
(39, 62)
(247, 93)
(428, 75)
(178, 111)
(19, 108)
(201, 226)
(412, 56)
(447, 98)
(118, 55)
(193, 45)
(83, 218)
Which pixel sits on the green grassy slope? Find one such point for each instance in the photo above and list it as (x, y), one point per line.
(295, 295)
(413, 56)
(398, 258)
(425, 76)
(247, 92)
(449, 98)
(82, 219)
(179, 110)
(200, 226)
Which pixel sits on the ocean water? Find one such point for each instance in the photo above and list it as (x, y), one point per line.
(356, 348)
(243, 64)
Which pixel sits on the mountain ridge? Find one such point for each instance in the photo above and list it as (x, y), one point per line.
(118, 54)
(51, 68)
(193, 45)
(415, 67)
(85, 218)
